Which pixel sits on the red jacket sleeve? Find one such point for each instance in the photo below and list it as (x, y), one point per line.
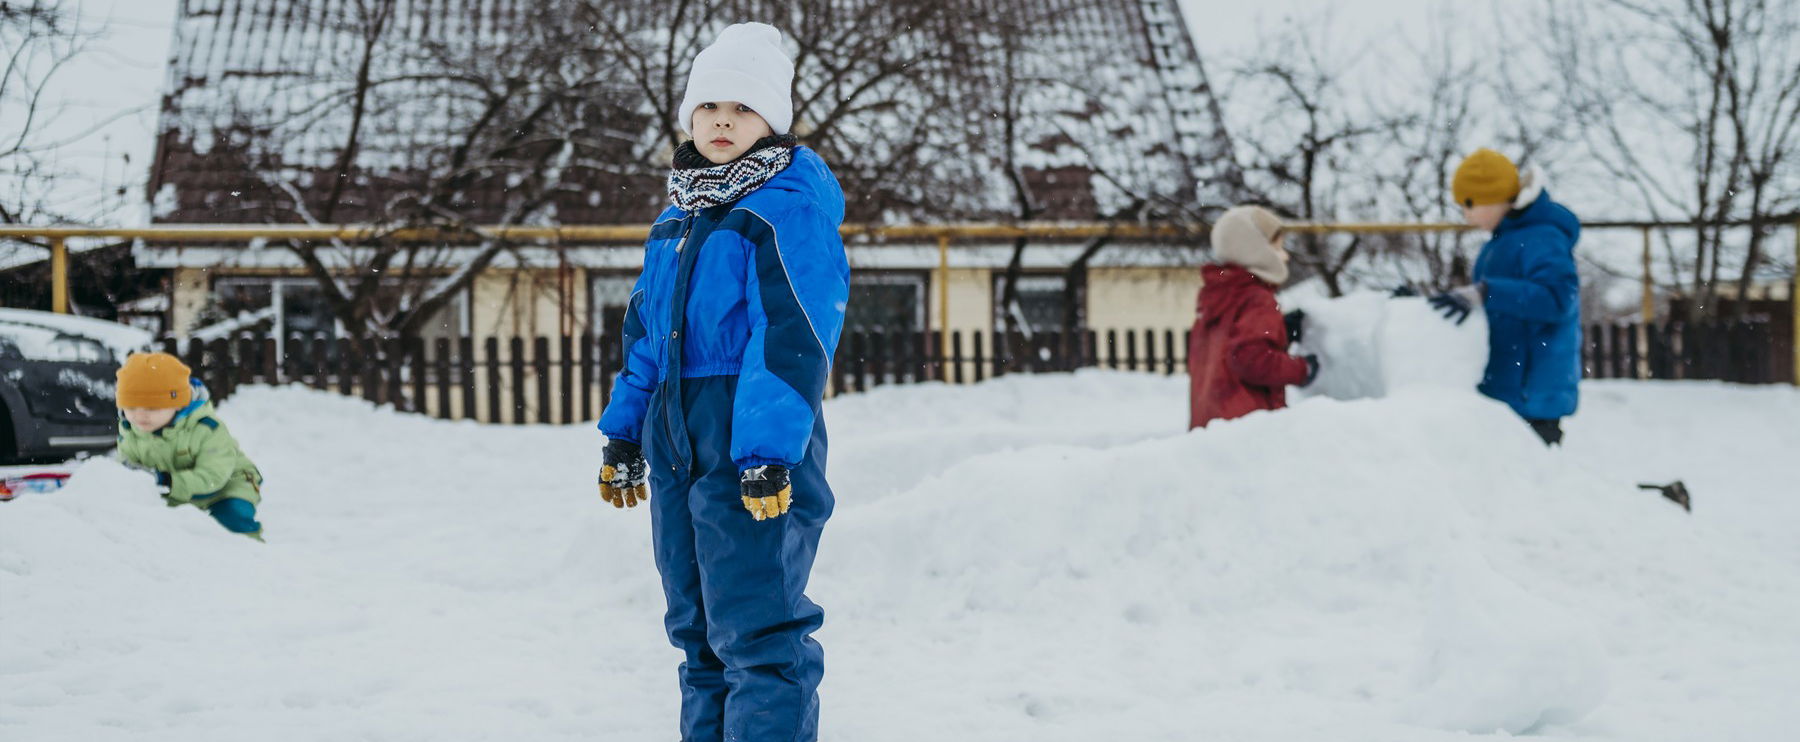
(1258, 354)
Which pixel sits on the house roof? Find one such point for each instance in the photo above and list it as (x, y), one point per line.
(246, 105)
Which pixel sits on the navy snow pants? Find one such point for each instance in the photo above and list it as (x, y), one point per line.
(735, 586)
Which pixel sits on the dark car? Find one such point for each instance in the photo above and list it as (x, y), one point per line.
(56, 384)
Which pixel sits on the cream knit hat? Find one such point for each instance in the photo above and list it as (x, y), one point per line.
(1241, 237)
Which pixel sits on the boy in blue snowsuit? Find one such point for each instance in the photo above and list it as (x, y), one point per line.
(728, 342)
(1525, 278)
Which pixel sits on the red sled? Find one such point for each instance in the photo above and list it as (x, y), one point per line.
(11, 487)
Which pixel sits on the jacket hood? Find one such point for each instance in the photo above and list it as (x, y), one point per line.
(200, 407)
(811, 179)
(1226, 288)
(1542, 211)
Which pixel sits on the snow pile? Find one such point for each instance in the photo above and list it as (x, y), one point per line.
(1371, 345)
(1046, 558)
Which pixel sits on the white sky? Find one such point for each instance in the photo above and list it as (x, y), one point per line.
(115, 90)
(1225, 27)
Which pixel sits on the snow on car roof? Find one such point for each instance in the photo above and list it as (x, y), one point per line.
(36, 330)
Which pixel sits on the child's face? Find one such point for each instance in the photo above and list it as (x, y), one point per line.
(1486, 216)
(1275, 243)
(149, 419)
(723, 130)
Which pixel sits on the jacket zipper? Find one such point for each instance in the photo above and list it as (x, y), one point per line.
(673, 347)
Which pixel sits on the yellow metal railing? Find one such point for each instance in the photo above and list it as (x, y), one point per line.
(944, 234)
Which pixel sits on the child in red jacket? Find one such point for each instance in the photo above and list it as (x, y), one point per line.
(1237, 355)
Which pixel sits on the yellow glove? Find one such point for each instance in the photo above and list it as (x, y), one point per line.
(623, 473)
(766, 491)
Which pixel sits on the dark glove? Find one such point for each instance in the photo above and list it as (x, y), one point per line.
(1404, 291)
(766, 491)
(622, 474)
(164, 481)
(1295, 322)
(1312, 369)
(1458, 304)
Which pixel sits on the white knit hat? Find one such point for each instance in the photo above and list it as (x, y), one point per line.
(746, 65)
(1241, 237)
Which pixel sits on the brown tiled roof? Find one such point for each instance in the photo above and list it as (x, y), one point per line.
(246, 78)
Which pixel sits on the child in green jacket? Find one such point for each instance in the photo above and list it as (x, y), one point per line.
(169, 427)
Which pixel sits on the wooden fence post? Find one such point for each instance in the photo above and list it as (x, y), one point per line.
(517, 363)
(1001, 358)
(587, 376)
(540, 366)
(441, 363)
(270, 362)
(492, 348)
(956, 356)
(978, 360)
(860, 360)
(566, 351)
(465, 361)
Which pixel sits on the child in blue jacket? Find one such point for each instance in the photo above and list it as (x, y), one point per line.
(728, 342)
(1525, 279)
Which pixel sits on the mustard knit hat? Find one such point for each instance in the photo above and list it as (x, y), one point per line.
(154, 381)
(1485, 177)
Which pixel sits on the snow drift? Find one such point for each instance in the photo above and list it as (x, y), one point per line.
(1046, 558)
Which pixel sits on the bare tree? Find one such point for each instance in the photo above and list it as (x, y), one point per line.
(1302, 136)
(1426, 135)
(421, 130)
(1065, 132)
(38, 41)
(1694, 106)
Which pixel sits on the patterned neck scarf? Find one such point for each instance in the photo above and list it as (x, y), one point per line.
(695, 183)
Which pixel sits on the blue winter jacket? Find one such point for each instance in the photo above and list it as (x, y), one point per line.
(1533, 310)
(755, 289)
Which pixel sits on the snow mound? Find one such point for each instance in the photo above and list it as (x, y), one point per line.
(1048, 558)
(1333, 550)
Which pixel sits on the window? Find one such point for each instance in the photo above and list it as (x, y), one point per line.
(1043, 302)
(886, 302)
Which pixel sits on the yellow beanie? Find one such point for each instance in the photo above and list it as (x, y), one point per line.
(1485, 177)
(155, 381)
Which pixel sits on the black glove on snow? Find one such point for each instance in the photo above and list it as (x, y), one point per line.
(1312, 369)
(1295, 322)
(1404, 291)
(622, 474)
(766, 491)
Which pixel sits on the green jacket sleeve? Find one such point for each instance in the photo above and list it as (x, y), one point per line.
(215, 460)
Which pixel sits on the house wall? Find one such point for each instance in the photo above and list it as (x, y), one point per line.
(526, 303)
(971, 301)
(190, 288)
(1141, 298)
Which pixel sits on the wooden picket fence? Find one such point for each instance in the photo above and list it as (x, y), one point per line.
(565, 380)
(1741, 352)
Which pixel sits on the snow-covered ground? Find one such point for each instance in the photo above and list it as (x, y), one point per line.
(1044, 558)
